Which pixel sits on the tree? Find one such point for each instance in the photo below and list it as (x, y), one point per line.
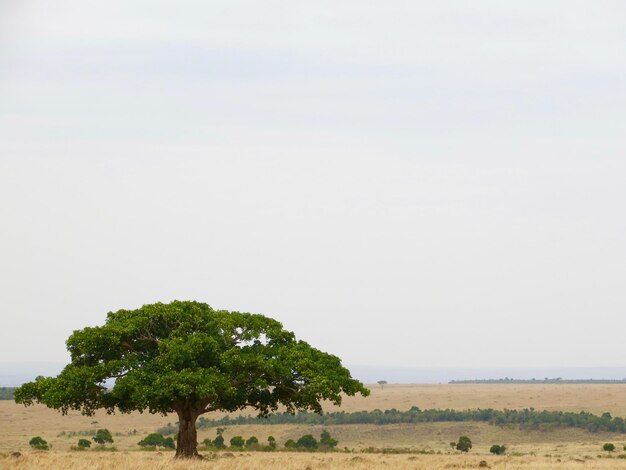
(290, 444)
(326, 441)
(252, 443)
(218, 442)
(271, 441)
(38, 443)
(497, 449)
(608, 447)
(307, 442)
(84, 444)
(464, 444)
(155, 439)
(188, 358)
(237, 441)
(103, 436)
(382, 383)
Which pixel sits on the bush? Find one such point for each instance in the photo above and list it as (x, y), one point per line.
(156, 440)
(252, 443)
(307, 442)
(608, 447)
(497, 449)
(290, 444)
(39, 443)
(218, 442)
(237, 441)
(84, 444)
(326, 441)
(103, 436)
(464, 444)
(271, 441)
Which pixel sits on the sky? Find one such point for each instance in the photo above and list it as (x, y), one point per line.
(400, 183)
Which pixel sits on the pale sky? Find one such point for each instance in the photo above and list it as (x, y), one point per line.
(401, 183)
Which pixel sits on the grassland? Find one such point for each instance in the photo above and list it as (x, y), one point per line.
(562, 448)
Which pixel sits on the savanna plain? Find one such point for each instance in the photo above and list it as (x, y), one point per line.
(427, 443)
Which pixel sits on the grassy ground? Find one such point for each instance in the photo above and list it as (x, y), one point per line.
(291, 461)
(562, 448)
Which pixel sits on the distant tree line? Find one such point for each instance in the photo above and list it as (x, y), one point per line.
(6, 393)
(525, 419)
(557, 380)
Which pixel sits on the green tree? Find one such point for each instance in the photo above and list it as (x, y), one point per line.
(188, 358)
(497, 449)
(326, 441)
(290, 444)
(218, 442)
(38, 443)
(152, 440)
(252, 442)
(237, 441)
(271, 441)
(307, 442)
(608, 447)
(464, 444)
(103, 436)
(168, 443)
(84, 444)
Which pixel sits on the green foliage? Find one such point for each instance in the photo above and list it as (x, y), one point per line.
(237, 441)
(497, 449)
(103, 436)
(39, 443)
(464, 444)
(157, 440)
(608, 447)
(165, 354)
(290, 444)
(84, 444)
(529, 419)
(326, 441)
(218, 442)
(271, 442)
(252, 442)
(307, 442)
(186, 356)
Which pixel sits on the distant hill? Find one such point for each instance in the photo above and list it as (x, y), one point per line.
(13, 374)
(558, 380)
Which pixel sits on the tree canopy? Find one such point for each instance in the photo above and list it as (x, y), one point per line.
(188, 358)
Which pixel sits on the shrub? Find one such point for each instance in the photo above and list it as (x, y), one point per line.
(307, 442)
(156, 440)
(290, 444)
(271, 441)
(497, 449)
(84, 444)
(608, 447)
(252, 443)
(103, 436)
(464, 444)
(218, 442)
(326, 441)
(237, 441)
(38, 443)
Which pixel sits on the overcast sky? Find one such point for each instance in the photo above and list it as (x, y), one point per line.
(428, 184)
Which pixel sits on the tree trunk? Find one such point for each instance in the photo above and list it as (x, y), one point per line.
(186, 442)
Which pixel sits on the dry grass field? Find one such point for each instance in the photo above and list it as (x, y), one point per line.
(563, 448)
(296, 461)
